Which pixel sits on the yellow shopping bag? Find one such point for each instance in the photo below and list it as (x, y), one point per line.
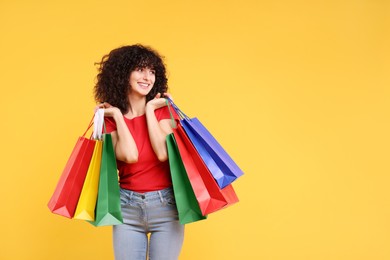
(86, 205)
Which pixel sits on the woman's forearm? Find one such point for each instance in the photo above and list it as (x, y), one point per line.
(157, 133)
(125, 146)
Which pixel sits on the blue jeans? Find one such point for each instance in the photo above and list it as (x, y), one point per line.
(153, 213)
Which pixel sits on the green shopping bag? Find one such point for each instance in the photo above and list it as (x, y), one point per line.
(186, 202)
(108, 208)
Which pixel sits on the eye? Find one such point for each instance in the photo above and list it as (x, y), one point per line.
(153, 72)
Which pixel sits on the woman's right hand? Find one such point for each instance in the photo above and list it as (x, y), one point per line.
(109, 110)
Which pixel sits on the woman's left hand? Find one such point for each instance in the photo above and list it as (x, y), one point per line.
(158, 101)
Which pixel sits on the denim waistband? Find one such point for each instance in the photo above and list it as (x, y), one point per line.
(148, 195)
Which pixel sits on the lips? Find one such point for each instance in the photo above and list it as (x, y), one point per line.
(143, 85)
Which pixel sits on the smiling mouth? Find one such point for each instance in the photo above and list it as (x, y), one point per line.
(143, 85)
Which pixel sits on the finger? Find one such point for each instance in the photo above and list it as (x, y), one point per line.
(106, 105)
(98, 106)
(168, 95)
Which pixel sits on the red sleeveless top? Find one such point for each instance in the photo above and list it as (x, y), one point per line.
(148, 173)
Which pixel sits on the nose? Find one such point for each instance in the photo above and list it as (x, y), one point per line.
(146, 74)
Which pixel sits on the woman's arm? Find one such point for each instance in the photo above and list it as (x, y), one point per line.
(124, 144)
(158, 130)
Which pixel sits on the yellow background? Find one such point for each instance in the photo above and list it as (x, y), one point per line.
(296, 91)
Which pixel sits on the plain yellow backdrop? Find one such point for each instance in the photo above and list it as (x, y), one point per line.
(296, 91)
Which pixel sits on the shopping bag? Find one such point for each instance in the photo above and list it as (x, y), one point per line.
(85, 209)
(187, 205)
(108, 208)
(87, 202)
(220, 164)
(209, 195)
(66, 194)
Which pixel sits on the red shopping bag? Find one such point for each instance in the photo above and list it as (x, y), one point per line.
(67, 192)
(209, 195)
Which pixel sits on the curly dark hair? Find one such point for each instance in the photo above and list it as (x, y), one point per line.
(112, 84)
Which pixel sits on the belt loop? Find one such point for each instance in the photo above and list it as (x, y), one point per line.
(161, 196)
(131, 194)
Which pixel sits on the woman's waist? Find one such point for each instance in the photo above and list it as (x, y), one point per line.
(148, 195)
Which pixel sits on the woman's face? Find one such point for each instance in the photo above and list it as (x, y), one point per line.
(142, 81)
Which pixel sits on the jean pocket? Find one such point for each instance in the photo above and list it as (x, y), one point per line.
(124, 197)
(170, 200)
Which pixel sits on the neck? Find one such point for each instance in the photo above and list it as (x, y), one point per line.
(137, 105)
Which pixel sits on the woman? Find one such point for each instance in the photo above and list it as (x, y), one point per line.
(132, 84)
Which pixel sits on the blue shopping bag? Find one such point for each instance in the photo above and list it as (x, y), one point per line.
(220, 164)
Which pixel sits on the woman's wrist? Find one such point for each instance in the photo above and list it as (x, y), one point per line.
(149, 108)
(117, 114)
